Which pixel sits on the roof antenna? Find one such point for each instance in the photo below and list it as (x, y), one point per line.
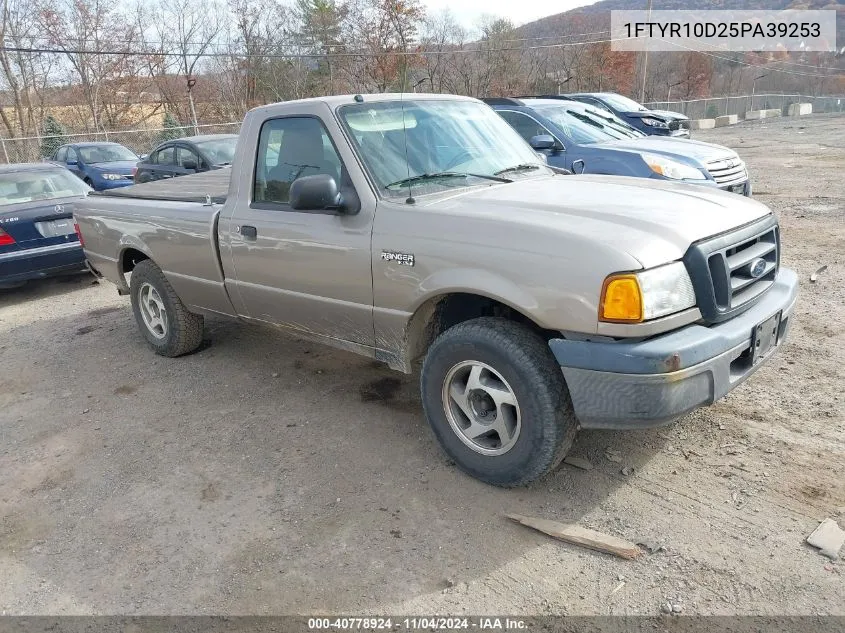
(410, 199)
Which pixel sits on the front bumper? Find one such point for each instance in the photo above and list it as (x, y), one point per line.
(35, 263)
(741, 188)
(654, 131)
(622, 385)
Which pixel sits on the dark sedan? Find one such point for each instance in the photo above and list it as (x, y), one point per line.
(100, 165)
(38, 236)
(651, 122)
(188, 155)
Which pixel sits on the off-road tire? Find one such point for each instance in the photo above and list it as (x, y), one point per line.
(185, 329)
(524, 360)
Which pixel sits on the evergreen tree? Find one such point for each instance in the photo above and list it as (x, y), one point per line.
(53, 136)
(172, 129)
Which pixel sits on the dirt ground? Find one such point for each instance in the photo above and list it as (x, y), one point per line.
(264, 475)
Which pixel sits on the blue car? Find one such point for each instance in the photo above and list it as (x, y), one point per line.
(651, 122)
(100, 165)
(38, 236)
(580, 138)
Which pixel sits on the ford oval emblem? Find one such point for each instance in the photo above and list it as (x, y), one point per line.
(757, 267)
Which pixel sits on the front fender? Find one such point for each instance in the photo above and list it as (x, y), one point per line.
(475, 281)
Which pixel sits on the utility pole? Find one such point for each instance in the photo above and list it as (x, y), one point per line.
(191, 83)
(645, 58)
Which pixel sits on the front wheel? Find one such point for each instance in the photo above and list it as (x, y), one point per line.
(170, 329)
(497, 401)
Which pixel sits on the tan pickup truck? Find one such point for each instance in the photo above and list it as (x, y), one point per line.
(423, 228)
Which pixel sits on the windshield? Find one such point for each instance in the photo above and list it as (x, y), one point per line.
(105, 154)
(220, 151)
(578, 125)
(28, 186)
(456, 137)
(623, 104)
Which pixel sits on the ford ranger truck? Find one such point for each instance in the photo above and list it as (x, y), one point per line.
(422, 231)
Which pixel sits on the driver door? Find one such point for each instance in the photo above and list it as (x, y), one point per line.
(307, 270)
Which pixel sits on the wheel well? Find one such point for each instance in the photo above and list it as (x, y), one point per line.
(439, 314)
(130, 258)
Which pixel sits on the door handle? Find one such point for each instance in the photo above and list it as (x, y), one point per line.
(248, 232)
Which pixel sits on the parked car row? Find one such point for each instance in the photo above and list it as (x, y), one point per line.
(110, 165)
(583, 133)
(583, 138)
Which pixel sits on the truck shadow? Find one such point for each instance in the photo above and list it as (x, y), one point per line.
(300, 470)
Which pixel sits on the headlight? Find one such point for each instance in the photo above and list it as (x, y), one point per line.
(653, 293)
(672, 168)
(655, 123)
(112, 176)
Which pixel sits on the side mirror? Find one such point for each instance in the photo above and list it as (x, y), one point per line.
(315, 193)
(189, 164)
(72, 162)
(542, 141)
(143, 157)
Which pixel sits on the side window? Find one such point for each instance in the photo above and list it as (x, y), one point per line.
(166, 156)
(61, 155)
(185, 155)
(288, 149)
(524, 124)
(71, 155)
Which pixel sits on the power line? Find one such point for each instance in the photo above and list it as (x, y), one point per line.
(300, 44)
(364, 54)
(764, 66)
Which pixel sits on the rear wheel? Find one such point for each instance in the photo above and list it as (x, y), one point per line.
(496, 400)
(170, 329)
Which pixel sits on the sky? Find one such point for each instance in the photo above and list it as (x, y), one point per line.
(468, 12)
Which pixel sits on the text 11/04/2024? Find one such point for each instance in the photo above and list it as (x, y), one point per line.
(417, 623)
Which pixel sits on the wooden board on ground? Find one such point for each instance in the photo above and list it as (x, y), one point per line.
(582, 536)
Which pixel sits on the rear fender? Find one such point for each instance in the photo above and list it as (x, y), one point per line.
(126, 243)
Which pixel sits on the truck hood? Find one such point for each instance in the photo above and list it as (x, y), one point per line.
(653, 221)
(676, 148)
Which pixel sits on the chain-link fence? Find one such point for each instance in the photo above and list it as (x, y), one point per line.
(141, 141)
(717, 106)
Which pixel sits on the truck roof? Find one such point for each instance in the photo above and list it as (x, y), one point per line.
(334, 101)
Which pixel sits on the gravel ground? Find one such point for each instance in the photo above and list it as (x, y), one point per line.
(266, 475)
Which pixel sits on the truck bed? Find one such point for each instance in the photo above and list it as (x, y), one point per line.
(192, 188)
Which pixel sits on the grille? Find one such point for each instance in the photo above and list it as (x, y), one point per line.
(674, 125)
(727, 171)
(721, 269)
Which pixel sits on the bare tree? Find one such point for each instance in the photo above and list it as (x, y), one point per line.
(96, 40)
(24, 76)
(179, 33)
